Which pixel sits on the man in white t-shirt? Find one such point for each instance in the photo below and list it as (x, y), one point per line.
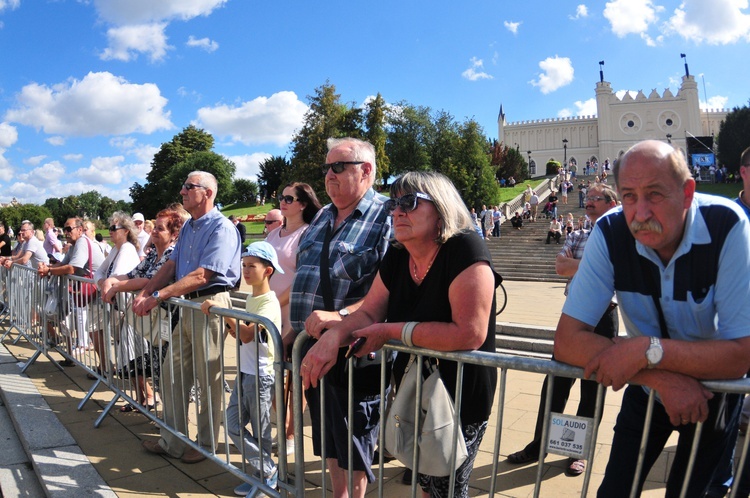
(143, 236)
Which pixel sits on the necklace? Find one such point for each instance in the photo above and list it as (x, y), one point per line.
(414, 266)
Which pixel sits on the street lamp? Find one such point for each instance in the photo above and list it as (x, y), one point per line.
(669, 138)
(565, 153)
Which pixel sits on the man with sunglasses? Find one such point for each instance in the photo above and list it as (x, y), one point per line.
(31, 252)
(205, 264)
(274, 219)
(338, 258)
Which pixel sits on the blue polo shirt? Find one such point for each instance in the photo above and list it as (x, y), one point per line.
(210, 242)
(704, 288)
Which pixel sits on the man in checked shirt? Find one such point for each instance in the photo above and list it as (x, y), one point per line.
(599, 199)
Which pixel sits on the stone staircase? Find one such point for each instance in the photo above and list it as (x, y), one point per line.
(524, 340)
(523, 254)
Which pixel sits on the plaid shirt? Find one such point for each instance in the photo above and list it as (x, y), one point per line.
(574, 245)
(356, 249)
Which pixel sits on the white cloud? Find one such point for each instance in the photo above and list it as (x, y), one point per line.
(715, 102)
(586, 108)
(122, 12)
(34, 160)
(558, 72)
(57, 141)
(248, 164)
(125, 42)
(512, 26)
(564, 113)
(719, 22)
(9, 4)
(138, 26)
(581, 12)
(631, 16)
(73, 157)
(262, 120)
(476, 71)
(203, 43)
(47, 175)
(8, 135)
(6, 170)
(99, 104)
(104, 170)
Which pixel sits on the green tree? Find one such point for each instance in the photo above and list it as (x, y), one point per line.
(409, 135)
(88, 205)
(509, 162)
(211, 162)
(326, 117)
(474, 174)
(734, 137)
(13, 215)
(244, 190)
(443, 146)
(376, 134)
(272, 171)
(152, 196)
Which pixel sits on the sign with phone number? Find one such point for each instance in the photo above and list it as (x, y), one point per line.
(569, 436)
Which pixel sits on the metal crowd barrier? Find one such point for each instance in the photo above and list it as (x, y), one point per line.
(128, 355)
(503, 363)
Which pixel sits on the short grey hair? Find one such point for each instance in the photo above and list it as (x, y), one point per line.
(361, 150)
(656, 151)
(451, 209)
(207, 180)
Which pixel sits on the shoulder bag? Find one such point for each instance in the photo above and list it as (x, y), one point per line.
(436, 423)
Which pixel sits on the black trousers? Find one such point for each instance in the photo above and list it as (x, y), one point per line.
(608, 326)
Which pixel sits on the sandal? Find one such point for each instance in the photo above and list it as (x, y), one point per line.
(127, 408)
(575, 467)
(521, 457)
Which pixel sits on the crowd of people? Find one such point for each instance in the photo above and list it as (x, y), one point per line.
(413, 267)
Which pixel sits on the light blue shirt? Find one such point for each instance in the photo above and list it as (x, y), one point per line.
(702, 297)
(210, 242)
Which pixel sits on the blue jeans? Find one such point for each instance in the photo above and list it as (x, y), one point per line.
(620, 472)
(237, 421)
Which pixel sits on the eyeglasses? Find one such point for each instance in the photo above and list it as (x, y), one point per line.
(338, 167)
(594, 198)
(115, 228)
(288, 199)
(407, 202)
(68, 229)
(191, 186)
(271, 222)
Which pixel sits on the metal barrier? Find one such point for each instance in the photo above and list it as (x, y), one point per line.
(504, 363)
(131, 355)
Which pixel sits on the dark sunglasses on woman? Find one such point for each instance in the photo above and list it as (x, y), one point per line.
(287, 199)
(407, 202)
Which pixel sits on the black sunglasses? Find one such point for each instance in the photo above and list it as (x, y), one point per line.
(288, 199)
(271, 222)
(338, 167)
(191, 186)
(407, 202)
(68, 229)
(114, 228)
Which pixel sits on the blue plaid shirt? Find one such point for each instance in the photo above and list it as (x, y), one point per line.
(356, 249)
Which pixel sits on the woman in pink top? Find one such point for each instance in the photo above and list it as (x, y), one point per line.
(298, 204)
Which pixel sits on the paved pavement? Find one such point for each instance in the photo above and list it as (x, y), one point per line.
(73, 458)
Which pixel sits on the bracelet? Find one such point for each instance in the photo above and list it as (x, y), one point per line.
(406, 333)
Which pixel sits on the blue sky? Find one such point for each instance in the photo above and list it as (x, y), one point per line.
(89, 89)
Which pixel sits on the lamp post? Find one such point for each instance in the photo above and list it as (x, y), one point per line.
(528, 170)
(565, 153)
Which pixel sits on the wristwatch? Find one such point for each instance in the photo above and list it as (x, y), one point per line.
(654, 353)
(344, 312)
(155, 295)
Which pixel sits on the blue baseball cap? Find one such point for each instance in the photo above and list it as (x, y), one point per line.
(264, 250)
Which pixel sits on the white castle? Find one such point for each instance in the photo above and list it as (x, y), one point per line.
(619, 124)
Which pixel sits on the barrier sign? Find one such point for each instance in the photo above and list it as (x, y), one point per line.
(569, 436)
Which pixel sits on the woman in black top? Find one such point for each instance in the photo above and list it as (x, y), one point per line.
(438, 273)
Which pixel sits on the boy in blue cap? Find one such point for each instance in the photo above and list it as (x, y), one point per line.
(259, 261)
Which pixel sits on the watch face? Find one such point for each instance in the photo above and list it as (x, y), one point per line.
(654, 354)
(344, 312)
